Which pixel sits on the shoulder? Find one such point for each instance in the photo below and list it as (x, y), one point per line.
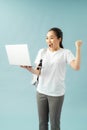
(42, 50)
(65, 50)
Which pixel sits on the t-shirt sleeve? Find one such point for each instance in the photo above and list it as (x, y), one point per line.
(38, 57)
(69, 56)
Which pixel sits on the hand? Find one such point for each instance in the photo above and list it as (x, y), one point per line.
(26, 67)
(78, 43)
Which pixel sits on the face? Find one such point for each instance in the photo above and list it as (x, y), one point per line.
(52, 41)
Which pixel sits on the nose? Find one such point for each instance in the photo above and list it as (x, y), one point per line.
(48, 41)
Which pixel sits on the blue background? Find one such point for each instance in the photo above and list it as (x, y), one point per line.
(27, 21)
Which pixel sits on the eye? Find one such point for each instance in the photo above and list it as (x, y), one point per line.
(51, 38)
(46, 38)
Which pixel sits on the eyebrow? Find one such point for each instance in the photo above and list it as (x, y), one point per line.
(51, 36)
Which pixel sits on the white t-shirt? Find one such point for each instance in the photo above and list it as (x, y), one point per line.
(51, 79)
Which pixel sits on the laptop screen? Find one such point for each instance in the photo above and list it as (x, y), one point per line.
(18, 54)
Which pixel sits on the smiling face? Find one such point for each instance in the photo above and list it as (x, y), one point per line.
(53, 41)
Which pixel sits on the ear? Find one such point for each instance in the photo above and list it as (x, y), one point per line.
(60, 39)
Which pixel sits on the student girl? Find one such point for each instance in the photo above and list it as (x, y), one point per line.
(51, 86)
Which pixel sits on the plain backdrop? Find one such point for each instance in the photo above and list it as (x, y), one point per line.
(28, 21)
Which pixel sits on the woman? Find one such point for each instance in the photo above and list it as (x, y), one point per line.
(51, 86)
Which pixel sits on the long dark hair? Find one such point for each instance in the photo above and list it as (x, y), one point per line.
(58, 32)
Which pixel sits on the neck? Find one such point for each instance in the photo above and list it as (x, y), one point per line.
(54, 49)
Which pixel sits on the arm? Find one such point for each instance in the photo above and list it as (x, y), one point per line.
(75, 64)
(32, 70)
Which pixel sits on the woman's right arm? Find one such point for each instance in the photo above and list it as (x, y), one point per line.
(32, 70)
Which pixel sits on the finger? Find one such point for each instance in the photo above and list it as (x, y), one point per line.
(23, 66)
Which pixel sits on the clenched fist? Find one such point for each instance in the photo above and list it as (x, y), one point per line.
(78, 43)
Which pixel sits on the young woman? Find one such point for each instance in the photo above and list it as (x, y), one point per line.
(51, 86)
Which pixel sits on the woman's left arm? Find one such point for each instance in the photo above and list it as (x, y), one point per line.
(75, 64)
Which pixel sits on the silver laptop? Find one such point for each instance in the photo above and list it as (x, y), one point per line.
(18, 54)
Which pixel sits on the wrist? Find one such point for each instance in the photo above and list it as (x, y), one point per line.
(78, 47)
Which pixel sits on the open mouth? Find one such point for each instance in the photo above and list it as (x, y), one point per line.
(50, 45)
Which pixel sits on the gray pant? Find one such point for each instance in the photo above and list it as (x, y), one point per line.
(49, 107)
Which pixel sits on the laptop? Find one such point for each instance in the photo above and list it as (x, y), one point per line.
(18, 54)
